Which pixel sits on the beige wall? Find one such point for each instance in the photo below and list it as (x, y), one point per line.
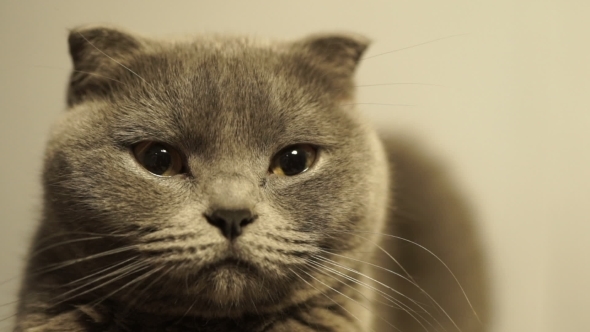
(509, 113)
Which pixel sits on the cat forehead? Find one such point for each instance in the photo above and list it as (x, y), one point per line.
(214, 101)
(217, 119)
(215, 91)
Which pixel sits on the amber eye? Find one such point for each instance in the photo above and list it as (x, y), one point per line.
(158, 158)
(293, 160)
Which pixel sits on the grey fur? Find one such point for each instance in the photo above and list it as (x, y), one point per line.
(228, 104)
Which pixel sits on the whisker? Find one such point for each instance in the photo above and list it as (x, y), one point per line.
(391, 257)
(82, 72)
(348, 297)
(418, 304)
(323, 269)
(351, 299)
(435, 256)
(99, 272)
(368, 263)
(8, 317)
(324, 259)
(138, 296)
(255, 308)
(388, 84)
(329, 298)
(98, 75)
(134, 281)
(8, 303)
(57, 266)
(412, 46)
(3, 282)
(118, 274)
(379, 104)
(409, 279)
(52, 236)
(37, 252)
(399, 304)
(187, 310)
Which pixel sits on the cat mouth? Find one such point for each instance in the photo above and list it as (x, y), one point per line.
(235, 265)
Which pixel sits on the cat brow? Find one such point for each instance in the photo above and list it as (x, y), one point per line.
(133, 133)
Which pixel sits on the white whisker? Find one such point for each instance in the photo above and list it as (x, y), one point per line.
(61, 265)
(134, 281)
(329, 261)
(435, 256)
(329, 298)
(146, 288)
(99, 272)
(118, 274)
(399, 305)
(37, 252)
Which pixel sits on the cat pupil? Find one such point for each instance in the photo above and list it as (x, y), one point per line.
(157, 159)
(293, 162)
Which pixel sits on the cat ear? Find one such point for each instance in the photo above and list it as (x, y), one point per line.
(97, 55)
(335, 53)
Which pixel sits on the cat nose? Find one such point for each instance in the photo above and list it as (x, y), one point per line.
(230, 222)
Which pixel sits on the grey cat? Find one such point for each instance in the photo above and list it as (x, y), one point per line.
(228, 184)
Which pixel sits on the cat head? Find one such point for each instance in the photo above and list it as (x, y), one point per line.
(219, 166)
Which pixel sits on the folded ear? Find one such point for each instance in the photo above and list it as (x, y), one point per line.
(335, 53)
(97, 55)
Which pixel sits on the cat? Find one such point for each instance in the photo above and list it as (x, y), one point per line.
(230, 184)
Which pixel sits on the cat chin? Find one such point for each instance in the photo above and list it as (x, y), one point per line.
(226, 282)
(229, 284)
(225, 290)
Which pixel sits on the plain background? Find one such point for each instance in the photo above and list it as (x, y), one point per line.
(503, 101)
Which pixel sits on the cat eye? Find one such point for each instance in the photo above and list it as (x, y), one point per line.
(293, 160)
(158, 158)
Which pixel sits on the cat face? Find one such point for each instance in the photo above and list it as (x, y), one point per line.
(222, 163)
